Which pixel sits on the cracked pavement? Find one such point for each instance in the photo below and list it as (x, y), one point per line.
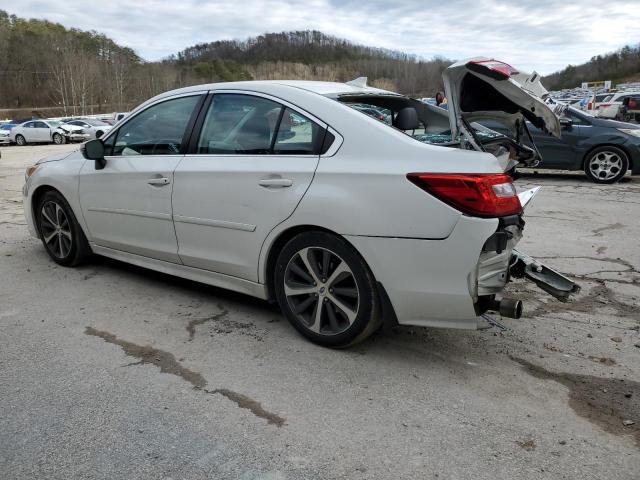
(112, 371)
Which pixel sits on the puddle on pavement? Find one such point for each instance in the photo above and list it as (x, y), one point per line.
(164, 360)
(191, 327)
(168, 364)
(605, 402)
(250, 404)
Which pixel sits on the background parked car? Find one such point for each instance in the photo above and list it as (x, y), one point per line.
(95, 128)
(604, 149)
(5, 133)
(611, 106)
(630, 109)
(46, 131)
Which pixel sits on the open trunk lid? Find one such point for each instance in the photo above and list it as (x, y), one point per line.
(484, 89)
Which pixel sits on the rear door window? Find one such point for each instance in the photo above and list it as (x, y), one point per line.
(238, 124)
(297, 135)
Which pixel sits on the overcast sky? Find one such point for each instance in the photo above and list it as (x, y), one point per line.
(541, 35)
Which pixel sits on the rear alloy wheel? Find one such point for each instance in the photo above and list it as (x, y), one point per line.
(606, 164)
(325, 290)
(58, 139)
(62, 237)
(20, 141)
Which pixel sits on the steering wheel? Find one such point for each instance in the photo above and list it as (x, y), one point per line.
(170, 143)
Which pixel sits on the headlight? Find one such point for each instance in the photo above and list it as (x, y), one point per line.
(30, 171)
(634, 132)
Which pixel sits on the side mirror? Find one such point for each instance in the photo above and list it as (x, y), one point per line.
(94, 150)
(565, 122)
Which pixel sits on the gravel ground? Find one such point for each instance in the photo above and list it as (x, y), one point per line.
(110, 371)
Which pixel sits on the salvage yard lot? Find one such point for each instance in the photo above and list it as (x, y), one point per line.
(112, 371)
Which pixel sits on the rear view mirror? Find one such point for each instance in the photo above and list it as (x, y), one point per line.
(94, 150)
(565, 122)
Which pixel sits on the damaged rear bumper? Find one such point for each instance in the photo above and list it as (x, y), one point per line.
(552, 282)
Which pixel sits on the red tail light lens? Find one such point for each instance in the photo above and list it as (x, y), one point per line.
(477, 195)
(589, 106)
(497, 69)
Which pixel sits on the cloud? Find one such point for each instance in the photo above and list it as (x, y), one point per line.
(542, 35)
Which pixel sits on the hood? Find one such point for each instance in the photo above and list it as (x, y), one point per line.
(55, 158)
(69, 128)
(486, 89)
(605, 122)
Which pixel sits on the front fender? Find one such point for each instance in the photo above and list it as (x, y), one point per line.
(62, 176)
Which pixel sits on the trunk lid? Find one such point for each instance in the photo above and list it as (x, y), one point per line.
(485, 89)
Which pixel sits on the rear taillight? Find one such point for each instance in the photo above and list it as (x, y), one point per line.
(477, 195)
(589, 106)
(493, 68)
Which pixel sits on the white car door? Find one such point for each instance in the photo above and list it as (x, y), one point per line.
(41, 131)
(246, 173)
(27, 130)
(127, 204)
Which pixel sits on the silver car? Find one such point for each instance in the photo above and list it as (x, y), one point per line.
(47, 131)
(95, 128)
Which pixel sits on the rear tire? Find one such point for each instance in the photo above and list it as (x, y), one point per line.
(62, 236)
(20, 141)
(326, 290)
(606, 164)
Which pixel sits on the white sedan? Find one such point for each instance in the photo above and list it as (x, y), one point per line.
(95, 128)
(47, 131)
(281, 190)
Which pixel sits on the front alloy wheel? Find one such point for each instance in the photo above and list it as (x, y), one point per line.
(326, 290)
(606, 165)
(58, 139)
(62, 236)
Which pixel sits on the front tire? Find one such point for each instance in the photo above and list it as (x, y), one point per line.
(20, 141)
(62, 236)
(326, 290)
(58, 139)
(606, 164)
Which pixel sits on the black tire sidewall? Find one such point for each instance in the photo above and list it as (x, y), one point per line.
(596, 151)
(76, 253)
(368, 302)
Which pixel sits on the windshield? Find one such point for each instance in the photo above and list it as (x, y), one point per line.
(54, 123)
(8, 126)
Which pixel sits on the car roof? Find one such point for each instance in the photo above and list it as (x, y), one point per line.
(319, 87)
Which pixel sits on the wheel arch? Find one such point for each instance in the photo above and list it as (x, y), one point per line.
(278, 244)
(599, 145)
(37, 194)
(388, 312)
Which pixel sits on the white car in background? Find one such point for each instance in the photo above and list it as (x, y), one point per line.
(281, 190)
(47, 131)
(95, 128)
(611, 105)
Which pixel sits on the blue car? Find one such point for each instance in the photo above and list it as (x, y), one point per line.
(604, 149)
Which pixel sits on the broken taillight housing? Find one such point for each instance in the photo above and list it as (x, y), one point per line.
(476, 195)
(493, 68)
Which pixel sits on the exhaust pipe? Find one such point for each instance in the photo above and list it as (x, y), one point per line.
(508, 307)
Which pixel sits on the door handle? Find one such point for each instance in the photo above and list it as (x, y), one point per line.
(159, 181)
(275, 182)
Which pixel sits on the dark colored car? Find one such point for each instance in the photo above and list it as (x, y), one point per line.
(604, 149)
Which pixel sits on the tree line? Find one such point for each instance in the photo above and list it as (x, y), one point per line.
(47, 69)
(617, 66)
